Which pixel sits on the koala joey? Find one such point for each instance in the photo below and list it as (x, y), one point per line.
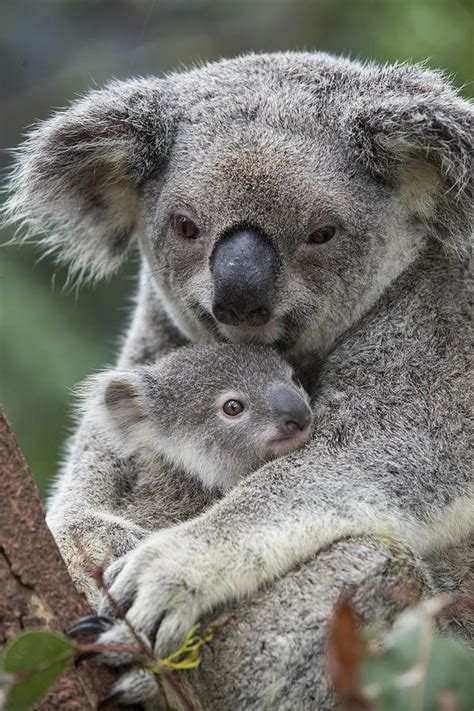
(218, 412)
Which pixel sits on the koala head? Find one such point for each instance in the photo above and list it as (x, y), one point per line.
(218, 412)
(274, 197)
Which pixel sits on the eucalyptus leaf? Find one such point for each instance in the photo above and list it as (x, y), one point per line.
(414, 672)
(35, 658)
(450, 668)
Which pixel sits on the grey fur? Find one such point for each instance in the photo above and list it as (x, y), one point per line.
(287, 143)
(174, 409)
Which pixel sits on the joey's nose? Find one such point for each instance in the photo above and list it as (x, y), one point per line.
(244, 268)
(290, 410)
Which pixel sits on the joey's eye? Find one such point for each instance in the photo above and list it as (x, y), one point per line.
(233, 408)
(322, 234)
(184, 227)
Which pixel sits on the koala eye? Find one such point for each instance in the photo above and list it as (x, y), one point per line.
(233, 408)
(322, 234)
(184, 227)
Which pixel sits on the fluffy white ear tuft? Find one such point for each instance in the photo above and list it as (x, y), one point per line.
(75, 181)
(422, 143)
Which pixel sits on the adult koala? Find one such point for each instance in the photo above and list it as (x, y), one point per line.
(320, 206)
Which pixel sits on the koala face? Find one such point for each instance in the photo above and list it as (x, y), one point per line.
(274, 197)
(217, 412)
(225, 410)
(268, 238)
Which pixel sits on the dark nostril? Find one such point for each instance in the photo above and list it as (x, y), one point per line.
(258, 316)
(225, 314)
(292, 427)
(298, 424)
(235, 316)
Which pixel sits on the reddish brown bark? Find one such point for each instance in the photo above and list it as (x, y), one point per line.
(35, 587)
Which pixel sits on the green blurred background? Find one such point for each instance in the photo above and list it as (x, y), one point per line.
(51, 50)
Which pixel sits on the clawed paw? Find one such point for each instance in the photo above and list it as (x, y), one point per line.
(160, 615)
(89, 623)
(137, 686)
(124, 648)
(154, 595)
(159, 589)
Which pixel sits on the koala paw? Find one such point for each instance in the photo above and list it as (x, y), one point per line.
(136, 687)
(163, 589)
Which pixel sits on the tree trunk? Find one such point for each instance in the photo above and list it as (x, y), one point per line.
(35, 587)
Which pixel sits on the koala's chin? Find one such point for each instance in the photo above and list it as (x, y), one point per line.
(268, 334)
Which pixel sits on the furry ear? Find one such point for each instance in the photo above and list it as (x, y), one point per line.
(76, 178)
(121, 398)
(423, 145)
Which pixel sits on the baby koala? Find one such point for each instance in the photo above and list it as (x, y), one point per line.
(217, 412)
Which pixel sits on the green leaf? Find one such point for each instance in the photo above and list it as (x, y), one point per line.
(35, 658)
(450, 668)
(415, 671)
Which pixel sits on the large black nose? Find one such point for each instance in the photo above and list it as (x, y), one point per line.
(244, 268)
(290, 410)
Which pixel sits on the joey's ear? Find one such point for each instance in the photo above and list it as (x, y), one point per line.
(423, 145)
(122, 400)
(76, 179)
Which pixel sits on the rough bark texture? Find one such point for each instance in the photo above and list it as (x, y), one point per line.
(35, 587)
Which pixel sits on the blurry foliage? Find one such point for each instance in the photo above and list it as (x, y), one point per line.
(31, 663)
(50, 339)
(412, 667)
(54, 49)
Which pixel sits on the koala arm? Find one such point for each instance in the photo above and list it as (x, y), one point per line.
(281, 516)
(95, 538)
(281, 632)
(272, 654)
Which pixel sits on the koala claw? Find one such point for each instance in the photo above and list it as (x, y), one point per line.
(114, 569)
(89, 623)
(119, 647)
(163, 591)
(135, 687)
